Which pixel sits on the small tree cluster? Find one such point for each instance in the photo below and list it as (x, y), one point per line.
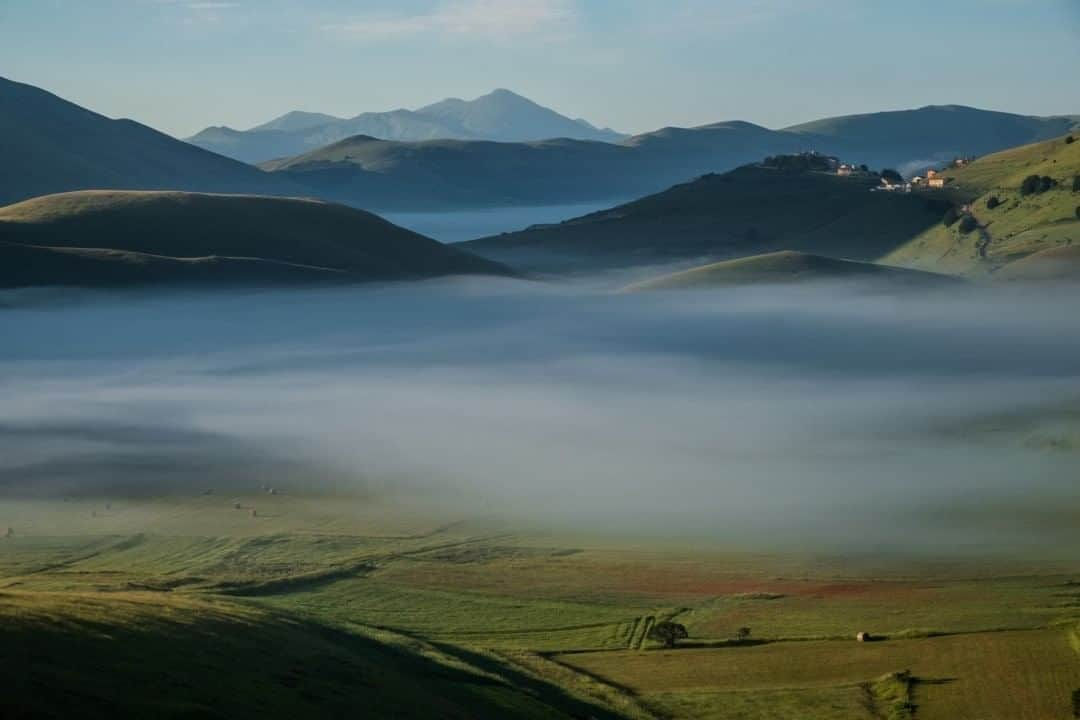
(668, 633)
(1076, 183)
(950, 217)
(891, 176)
(1036, 184)
(803, 162)
(992, 202)
(1078, 212)
(968, 224)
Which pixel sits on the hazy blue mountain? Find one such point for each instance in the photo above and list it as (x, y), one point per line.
(500, 115)
(505, 116)
(50, 145)
(443, 174)
(298, 120)
(436, 175)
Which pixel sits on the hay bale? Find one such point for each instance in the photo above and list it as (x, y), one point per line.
(864, 636)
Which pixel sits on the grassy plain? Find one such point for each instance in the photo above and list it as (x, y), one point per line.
(317, 606)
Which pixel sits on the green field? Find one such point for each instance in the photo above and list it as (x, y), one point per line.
(192, 608)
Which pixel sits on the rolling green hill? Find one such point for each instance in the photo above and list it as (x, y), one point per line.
(49, 145)
(784, 267)
(125, 237)
(1018, 225)
(748, 211)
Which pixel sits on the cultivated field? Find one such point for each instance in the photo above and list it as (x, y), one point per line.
(319, 604)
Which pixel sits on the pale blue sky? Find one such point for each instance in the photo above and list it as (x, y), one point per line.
(636, 65)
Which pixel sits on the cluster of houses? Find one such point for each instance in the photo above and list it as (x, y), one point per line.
(890, 181)
(933, 180)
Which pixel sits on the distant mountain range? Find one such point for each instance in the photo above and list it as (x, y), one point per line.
(445, 174)
(50, 145)
(501, 116)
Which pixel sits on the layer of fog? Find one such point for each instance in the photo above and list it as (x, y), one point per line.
(457, 226)
(821, 416)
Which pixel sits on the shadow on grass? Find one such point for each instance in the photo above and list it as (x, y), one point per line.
(209, 660)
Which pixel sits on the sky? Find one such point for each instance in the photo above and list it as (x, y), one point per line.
(634, 65)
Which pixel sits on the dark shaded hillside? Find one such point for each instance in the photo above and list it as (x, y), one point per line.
(49, 145)
(748, 211)
(932, 133)
(442, 174)
(151, 237)
(171, 655)
(39, 266)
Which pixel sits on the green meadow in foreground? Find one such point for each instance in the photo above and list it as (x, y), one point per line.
(325, 606)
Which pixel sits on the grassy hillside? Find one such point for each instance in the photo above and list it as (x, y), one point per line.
(147, 237)
(139, 654)
(49, 145)
(1019, 224)
(748, 211)
(783, 267)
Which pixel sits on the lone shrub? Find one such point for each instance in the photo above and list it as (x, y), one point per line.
(1078, 212)
(1070, 140)
(742, 634)
(992, 202)
(1076, 183)
(1036, 184)
(968, 224)
(668, 633)
(951, 216)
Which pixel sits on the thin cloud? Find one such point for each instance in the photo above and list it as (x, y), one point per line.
(486, 19)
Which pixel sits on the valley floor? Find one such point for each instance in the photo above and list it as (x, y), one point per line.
(318, 606)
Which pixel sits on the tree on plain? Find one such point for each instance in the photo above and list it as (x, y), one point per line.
(668, 633)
